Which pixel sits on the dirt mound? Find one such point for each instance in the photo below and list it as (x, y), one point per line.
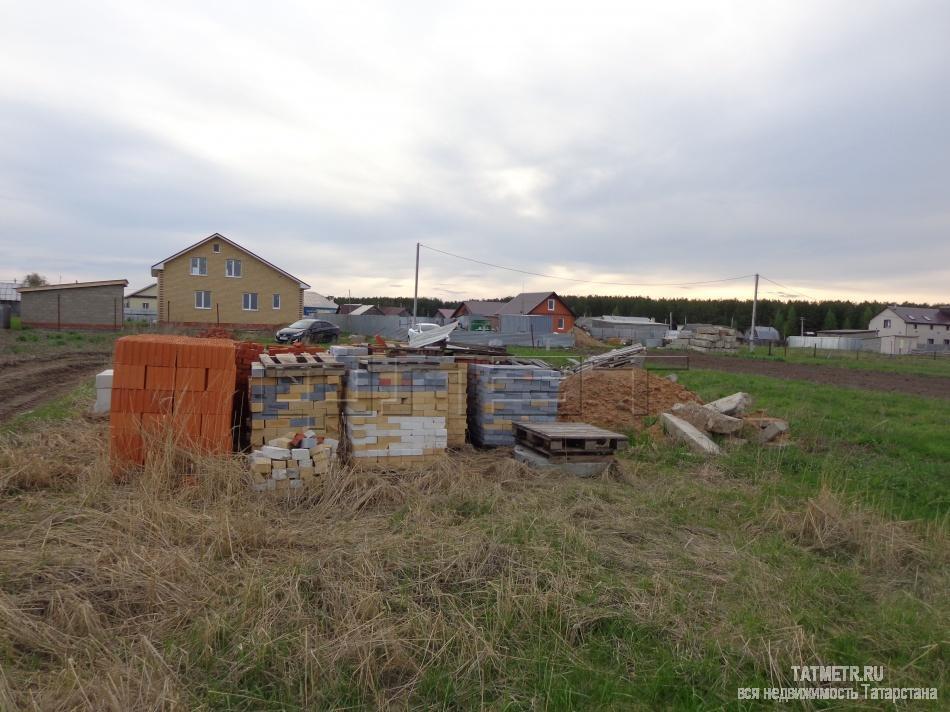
(619, 398)
(583, 340)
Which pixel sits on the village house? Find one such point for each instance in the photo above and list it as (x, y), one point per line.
(931, 327)
(315, 304)
(142, 303)
(217, 281)
(477, 315)
(542, 304)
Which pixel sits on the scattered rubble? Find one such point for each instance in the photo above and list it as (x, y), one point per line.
(684, 432)
(724, 417)
(291, 461)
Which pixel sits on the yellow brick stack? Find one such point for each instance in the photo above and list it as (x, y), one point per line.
(295, 392)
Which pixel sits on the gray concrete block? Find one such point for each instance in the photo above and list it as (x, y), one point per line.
(681, 431)
(707, 419)
(570, 467)
(736, 404)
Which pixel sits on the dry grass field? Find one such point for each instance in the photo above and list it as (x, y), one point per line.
(476, 582)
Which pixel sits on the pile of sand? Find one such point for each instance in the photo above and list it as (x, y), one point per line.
(620, 398)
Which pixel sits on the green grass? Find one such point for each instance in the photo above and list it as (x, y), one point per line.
(16, 323)
(554, 354)
(889, 449)
(865, 361)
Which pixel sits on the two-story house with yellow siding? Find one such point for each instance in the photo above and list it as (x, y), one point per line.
(216, 281)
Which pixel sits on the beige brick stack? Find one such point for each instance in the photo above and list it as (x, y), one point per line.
(295, 392)
(397, 411)
(292, 461)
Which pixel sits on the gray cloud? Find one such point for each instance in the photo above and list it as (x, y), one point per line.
(810, 147)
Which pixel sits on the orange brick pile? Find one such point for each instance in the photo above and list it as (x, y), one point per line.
(172, 383)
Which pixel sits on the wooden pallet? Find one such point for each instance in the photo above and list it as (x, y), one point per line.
(291, 364)
(569, 439)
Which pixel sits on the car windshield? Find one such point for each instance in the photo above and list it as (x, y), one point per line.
(302, 324)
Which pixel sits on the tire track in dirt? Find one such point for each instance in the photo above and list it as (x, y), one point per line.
(29, 381)
(914, 384)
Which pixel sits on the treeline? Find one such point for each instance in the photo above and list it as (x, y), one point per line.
(785, 316)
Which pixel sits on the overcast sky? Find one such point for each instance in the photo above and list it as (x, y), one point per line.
(656, 142)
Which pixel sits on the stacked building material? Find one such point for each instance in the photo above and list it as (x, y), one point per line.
(706, 339)
(294, 391)
(499, 395)
(349, 356)
(396, 410)
(174, 384)
(293, 461)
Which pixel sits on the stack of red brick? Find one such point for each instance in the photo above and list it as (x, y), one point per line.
(172, 384)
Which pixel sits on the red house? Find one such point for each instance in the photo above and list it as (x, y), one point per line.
(543, 304)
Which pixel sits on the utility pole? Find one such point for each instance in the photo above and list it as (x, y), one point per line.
(415, 293)
(755, 302)
(802, 320)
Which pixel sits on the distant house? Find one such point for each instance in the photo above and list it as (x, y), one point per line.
(217, 281)
(443, 316)
(360, 310)
(314, 303)
(9, 296)
(142, 304)
(79, 305)
(764, 335)
(395, 311)
(542, 304)
(930, 326)
(478, 315)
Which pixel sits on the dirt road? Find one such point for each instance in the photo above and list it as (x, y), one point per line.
(932, 386)
(27, 381)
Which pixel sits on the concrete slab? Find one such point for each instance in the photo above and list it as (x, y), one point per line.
(707, 419)
(680, 430)
(570, 467)
(736, 404)
(763, 429)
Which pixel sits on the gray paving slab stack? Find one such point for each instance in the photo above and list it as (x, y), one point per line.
(501, 394)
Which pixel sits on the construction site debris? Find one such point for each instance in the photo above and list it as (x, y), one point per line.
(763, 429)
(706, 339)
(734, 405)
(618, 399)
(684, 432)
(276, 468)
(618, 358)
(707, 419)
(499, 395)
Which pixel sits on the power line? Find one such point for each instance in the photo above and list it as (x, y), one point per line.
(585, 281)
(794, 294)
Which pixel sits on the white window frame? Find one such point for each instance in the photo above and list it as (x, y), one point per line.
(560, 322)
(229, 265)
(887, 323)
(245, 300)
(550, 305)
(199, 302)
(275, 301)
(216, 247)
(196, 264)
(145, 306)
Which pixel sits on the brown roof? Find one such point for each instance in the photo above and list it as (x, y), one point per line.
(394, 311)
(525, 302)
(479, 308)
(159, 266)
(77, 285)
(447, 312)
